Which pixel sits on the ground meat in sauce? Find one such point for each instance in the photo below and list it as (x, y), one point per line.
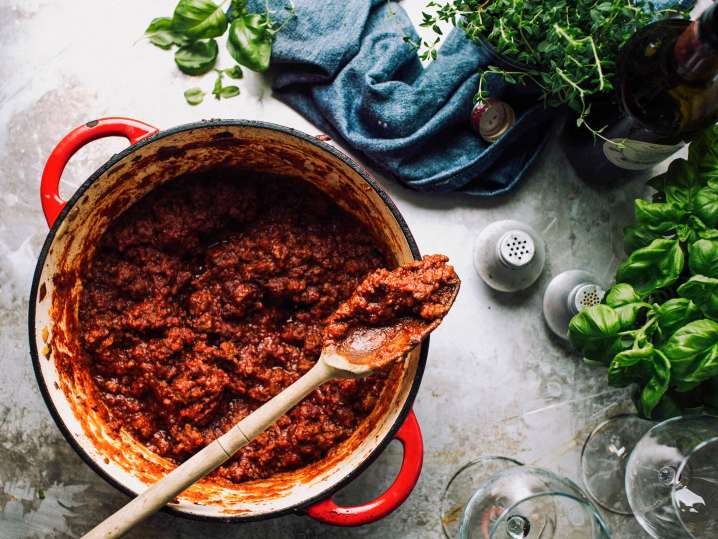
(207, 298)
(417, 294)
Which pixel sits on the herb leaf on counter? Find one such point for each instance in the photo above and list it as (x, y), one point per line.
(193, 28)
(249, 42)
(234, 72)
(160, 33)
(194, 96)
(197, 58)
(199, 19)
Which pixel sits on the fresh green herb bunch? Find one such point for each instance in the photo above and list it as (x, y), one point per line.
(193, 28)
(658, 327)
(569, 47)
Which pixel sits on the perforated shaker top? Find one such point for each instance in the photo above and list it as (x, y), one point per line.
(516, 248)
(587, 295)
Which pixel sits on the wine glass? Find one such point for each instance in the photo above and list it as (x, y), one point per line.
(604, 457)
(672, 478)
(664, 474)
(515, 501)
(462, 486)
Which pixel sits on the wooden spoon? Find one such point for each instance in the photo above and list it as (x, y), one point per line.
(352, 351)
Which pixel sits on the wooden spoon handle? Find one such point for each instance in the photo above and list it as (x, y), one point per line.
(206, 460)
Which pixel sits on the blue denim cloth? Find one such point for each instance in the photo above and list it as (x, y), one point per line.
(345, 67)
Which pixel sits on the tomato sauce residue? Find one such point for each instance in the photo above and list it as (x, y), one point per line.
(207, 298)
(391, 311)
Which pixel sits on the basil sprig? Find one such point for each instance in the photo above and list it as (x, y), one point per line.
(658, 326)
(193, 28)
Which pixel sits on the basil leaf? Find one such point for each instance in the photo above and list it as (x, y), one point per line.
(217, 89)
(703, 258)
(160, 33)
(249, 43)
(657, 385)
(628, 314)
(194, 96)
(685, 234)
(236, 8)
(703, 291)
(197, 58)
(234, 72)
(674, 314)
(637, 236)
(621, 294)
(679, 183)
(707, 368)
(688, 348)
(631, 366)
(705, 205)
(229, 91)
(653, 267)
(659, 214)
(703, 152)
(199, 19)
(594, 332)
(708, 234)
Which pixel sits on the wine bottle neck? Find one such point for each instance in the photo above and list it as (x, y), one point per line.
(696, 50)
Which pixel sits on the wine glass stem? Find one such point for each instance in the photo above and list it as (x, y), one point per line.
(518, 527)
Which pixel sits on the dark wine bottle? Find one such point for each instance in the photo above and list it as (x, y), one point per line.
(666, 92)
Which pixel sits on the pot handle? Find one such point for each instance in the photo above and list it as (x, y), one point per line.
(409, 435)
(132, 130)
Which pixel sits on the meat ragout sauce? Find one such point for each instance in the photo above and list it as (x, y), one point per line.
(393, 309)
(207, 298)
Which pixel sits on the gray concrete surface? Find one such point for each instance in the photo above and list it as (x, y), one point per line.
(496, 383)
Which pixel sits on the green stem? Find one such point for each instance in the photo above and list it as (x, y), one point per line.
(601, 83)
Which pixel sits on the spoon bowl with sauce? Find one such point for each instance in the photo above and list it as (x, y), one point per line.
(388, 314)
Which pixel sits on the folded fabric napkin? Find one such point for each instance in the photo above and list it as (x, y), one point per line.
(345, 66)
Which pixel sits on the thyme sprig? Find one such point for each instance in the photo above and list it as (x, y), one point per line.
(568, 48)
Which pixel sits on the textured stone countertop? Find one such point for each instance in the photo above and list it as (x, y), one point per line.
(496, 383)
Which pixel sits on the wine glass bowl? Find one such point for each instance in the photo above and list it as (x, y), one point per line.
(526, 502)
(695, 492)
(462, 486)
(671, 478)
(604, 457)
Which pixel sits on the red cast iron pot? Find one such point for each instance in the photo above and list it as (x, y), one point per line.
(76, 225)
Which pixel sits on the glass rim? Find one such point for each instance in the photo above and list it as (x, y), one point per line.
(582, 499)
(679, 472)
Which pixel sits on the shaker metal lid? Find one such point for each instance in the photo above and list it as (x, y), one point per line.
(491, 118)
(516, 248)
(584, 296)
